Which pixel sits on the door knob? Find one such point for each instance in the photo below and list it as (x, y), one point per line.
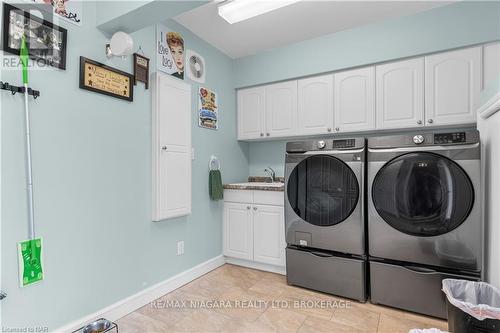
(337, 129)
(255, 208)
(268, 134)
(248, 207)
(2, 295)
(164, 148)
(261, 134)
(419, 122)
(430, 121)
(329, 129)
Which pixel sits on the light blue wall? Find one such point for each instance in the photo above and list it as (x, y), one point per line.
(451, 26)
(92, 182)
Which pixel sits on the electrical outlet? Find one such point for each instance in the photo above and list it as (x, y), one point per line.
(180, 248)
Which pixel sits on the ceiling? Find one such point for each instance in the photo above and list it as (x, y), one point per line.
(291, 24)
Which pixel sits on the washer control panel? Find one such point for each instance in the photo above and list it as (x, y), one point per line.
(343, 144)
(449, 138)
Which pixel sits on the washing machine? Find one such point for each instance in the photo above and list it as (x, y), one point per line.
(324, 216)
(424, 217)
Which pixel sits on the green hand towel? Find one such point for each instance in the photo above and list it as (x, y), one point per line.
(215, 185)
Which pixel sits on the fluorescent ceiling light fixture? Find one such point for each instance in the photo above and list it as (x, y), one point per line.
(234, 11)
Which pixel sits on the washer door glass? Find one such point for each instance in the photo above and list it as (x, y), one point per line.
(423, 194)
(322, 190)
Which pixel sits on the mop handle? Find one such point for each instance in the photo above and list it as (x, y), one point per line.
(31, 213)
(24, 54)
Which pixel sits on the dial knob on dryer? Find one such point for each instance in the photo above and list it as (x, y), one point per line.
(418, 139)
(321, 144)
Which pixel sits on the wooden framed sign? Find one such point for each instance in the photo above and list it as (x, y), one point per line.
(141, 69)
(106, 80)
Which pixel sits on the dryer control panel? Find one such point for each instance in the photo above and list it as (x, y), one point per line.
(449, 138)
(343, 144)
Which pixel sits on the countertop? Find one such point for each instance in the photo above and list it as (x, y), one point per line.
(258, 184)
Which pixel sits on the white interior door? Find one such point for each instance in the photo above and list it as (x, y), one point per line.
(171, 148)
(400, 94)
(238, 231)
(315, 105)
(452, 86)
(354, 98)
(269, 235)
(251, 113)
(281, 109)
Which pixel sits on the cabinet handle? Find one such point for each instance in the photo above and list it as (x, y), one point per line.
(164, 148)
(261, 134)
(430, 121)
(337, 129)
(255, 208)
(419, 122)
(329, 129)
(248, 207)
(268, 134)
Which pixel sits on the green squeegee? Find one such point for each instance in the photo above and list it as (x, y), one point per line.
(29, 251)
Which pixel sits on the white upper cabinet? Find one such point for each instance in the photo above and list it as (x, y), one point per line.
(171, 148)
(251, 113)
(281, 109)
(436, 90)
(354, 98)
(315, 105)
(452, 86)
(400, 94)
(491, 62)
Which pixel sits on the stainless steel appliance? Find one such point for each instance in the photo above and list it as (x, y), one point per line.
(424, 217)
(324, 216)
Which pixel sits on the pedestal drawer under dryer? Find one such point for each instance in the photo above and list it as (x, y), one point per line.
(326, 272)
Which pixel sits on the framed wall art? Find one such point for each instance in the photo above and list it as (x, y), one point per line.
(169, 51)
(46, 41)
(208, 113)
(141, 69)
(103, 79)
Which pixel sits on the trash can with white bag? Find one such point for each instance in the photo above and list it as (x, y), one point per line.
(473, 307)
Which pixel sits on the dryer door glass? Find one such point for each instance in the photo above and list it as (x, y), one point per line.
(322, 190)
(423, 194)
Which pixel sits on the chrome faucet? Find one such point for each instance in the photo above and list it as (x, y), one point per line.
(271, 173)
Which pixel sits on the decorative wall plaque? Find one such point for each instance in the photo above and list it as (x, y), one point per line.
(106, 80)
(141, 69)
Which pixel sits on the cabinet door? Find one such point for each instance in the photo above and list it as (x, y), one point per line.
(269, 235)
(171, 148)
(238, 231)
(251, 113)
(491, 63)
(354, 100)
(400, 94)
(452, 86)
(315, 105)
(281, 109)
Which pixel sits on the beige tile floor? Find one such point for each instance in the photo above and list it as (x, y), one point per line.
(238, 299)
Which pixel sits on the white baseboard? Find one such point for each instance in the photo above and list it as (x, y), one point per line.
(125, 306)
(256, 265)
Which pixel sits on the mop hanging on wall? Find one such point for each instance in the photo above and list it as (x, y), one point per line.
(29, 251)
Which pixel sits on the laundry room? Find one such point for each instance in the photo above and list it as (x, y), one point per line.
(249, 166)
